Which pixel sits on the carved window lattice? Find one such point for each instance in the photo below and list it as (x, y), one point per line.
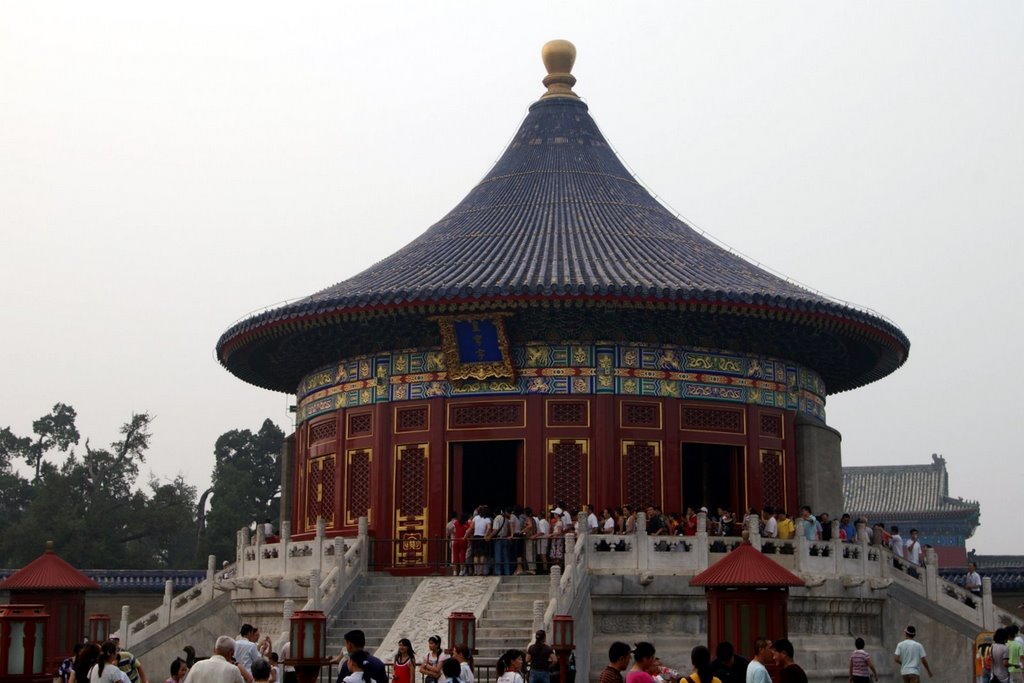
(486, 414)
(413, 494)
(772, 478)
(639, 474)
(641, 415)
(567, 472)
(358, 481)
(411, 419)
(323, 431)
(771, 425)
(360, 424)
(567, 413)
(713, 420)
(320, 491)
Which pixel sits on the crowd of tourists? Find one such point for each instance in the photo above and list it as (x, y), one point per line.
(515, 540)
(251, 659)
(245, 659)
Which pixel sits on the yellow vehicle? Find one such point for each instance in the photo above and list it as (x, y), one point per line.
(983, 656)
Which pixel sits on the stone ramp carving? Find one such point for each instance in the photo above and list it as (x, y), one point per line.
(426, 612)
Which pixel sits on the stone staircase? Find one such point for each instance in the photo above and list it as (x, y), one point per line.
(508, 620)
(378, 601)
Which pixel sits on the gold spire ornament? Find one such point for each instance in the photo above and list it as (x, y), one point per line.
(559, 56)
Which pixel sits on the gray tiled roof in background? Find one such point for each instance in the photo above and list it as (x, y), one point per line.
(887, 489)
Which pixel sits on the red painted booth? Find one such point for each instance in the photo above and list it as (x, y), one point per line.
(51, 582)
(748, 596)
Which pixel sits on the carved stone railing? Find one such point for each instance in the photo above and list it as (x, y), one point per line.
(171, 608)
(325, 566)
(857, 563)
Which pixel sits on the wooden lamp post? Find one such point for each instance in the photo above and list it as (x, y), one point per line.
(309, 644)
(23, 638)
(99, 627)
(462, 631)
(563, 642)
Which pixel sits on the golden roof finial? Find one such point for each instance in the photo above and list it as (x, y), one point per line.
(559, 56)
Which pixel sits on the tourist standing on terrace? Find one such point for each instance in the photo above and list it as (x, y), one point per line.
(812, 527)
(972, 581)
(896, 541)
(914, 548)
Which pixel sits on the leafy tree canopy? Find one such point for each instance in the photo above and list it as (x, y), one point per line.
(246, 486)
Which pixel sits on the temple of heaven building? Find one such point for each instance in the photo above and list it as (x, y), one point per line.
(558, 336)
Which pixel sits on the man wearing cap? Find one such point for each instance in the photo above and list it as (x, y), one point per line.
(910, 655)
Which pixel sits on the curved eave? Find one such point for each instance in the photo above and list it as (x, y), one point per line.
(282, 322)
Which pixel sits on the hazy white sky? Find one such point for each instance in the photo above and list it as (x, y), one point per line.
(166, 169)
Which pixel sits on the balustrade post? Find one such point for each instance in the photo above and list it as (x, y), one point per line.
(554, 583)
(168, 605)
(339, 556)
(124, 630)
(643, 549)
(318, 541)
(286, 540)
(570, 551)
(364, 545)
(837, 544)
(539, 607)
(286, 619)
(931, 575)
(314, 588)
(240, 551)
(211, 574)
(261, 540)
(754, 533)
(988, 613)
(802, 549)
(862, 543)
(702, 558)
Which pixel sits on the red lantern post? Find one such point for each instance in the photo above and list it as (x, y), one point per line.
(99, 627)
(563, 642)
(462, 631)
(23, 635)
(309, 644)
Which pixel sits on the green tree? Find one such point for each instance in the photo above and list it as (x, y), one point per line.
(246, 486)
(54, 431)
(90, 508)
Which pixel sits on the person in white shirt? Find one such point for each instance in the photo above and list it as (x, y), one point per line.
(895, 541)
(771, 525)
(218, 668)
(973, 580)
(481, 531)
(913, 548)
(246, 651)
(592, 523)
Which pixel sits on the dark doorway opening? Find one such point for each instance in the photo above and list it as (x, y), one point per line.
(712, 476)
(484, 473)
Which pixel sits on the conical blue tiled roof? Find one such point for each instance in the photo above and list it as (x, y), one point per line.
(559, 217)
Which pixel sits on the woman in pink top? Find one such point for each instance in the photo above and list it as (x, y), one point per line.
(643, 663)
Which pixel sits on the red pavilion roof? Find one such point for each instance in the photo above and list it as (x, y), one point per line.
(746, 566)
(49, 572)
